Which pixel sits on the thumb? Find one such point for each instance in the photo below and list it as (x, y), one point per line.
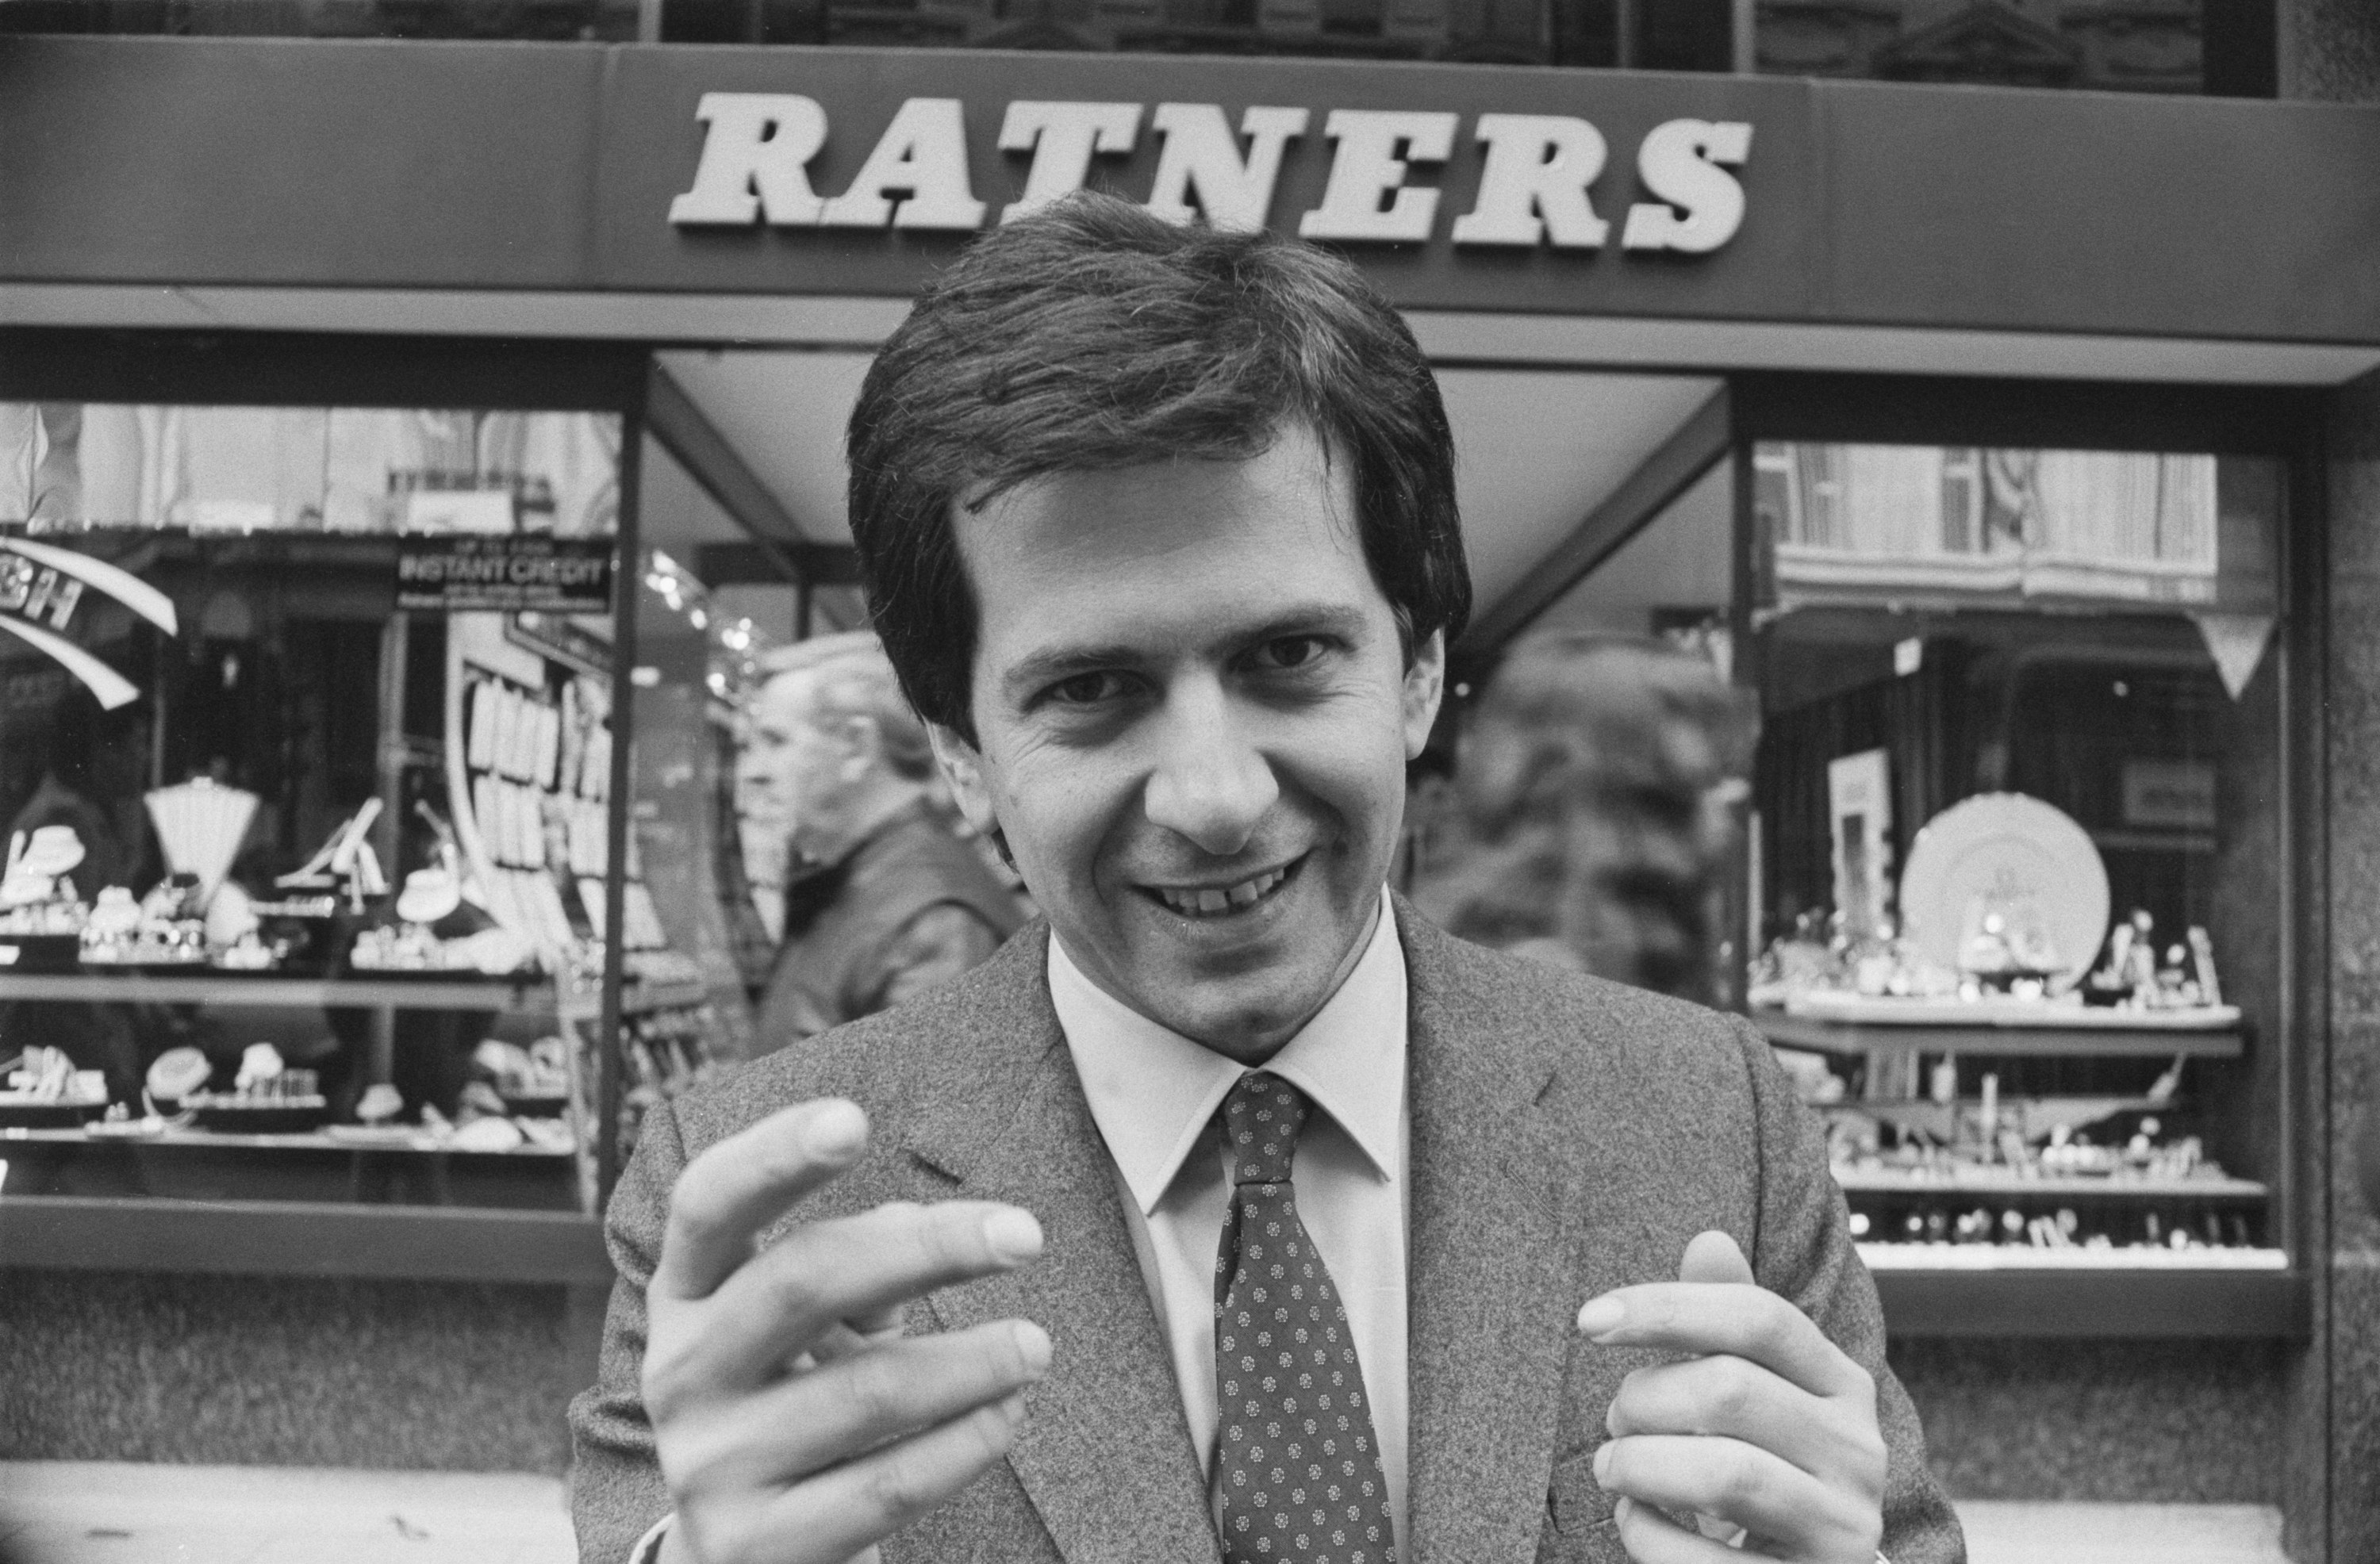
(1712, 1256)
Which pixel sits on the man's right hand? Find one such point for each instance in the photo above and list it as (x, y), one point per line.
(794, 1422)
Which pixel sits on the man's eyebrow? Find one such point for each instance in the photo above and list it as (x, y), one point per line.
(1042, 669)
(1308, 619)
(1053, 665)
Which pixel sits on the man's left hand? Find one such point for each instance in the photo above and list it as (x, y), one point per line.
(1763, 1425)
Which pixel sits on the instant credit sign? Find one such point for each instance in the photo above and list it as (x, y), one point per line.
(508, 574)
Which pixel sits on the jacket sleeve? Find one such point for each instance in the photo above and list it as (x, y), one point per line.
(616, 1491)
(1803, 1250)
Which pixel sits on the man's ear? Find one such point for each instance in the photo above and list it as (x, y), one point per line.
(862, 744)
(1425, 686)
(962, 769)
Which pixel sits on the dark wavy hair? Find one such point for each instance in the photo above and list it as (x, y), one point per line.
(1093, 336)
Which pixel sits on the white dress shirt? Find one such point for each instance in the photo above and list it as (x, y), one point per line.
(1154, 1094)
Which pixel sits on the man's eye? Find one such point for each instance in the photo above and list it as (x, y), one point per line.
(1291, 652)
(1087, 689)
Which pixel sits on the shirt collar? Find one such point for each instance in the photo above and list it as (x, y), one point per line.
(1153, 1092)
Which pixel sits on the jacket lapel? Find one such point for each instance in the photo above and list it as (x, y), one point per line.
(1493, 1279)
(1105, 1456)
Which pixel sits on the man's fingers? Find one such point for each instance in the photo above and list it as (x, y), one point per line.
(852, 1267)
(844, 1338)
(1737, 1481)
(730, 1194)
(1700, 1317)
(855, 1405)
(1712, 1256)
(1729, 1396)
(885, 1321)
(1652, 1537)
(853, 1505)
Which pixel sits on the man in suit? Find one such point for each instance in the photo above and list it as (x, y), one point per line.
(1233, 1212)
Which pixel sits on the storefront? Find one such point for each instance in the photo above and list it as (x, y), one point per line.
(1979, 435)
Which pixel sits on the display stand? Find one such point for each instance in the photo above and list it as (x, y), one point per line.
(1827, 1036)
(1985, 1288)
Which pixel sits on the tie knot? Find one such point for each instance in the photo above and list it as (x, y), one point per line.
(1261, 1120)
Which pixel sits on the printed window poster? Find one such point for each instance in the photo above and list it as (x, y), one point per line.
(1859, 808)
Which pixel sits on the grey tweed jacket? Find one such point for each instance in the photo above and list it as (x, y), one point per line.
(1569, 1137)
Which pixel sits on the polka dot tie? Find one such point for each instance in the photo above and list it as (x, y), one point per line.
(1295, 1458)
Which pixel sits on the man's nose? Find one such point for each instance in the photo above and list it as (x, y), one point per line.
(761, 791)
(1210, 783)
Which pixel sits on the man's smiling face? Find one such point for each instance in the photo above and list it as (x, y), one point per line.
(1194, 718)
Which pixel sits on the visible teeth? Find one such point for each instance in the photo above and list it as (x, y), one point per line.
(1209, 901)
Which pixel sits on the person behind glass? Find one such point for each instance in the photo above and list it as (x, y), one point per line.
(1594, 807)
(1232, 1211)
(882, 900)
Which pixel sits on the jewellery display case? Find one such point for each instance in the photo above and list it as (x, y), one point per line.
(323, 916)
(2021, 878)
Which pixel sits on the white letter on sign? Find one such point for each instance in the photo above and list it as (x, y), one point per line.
(1681, 163)
(1200, 152)
(922, 156)
(1061, 137)
(1375, 148)
(758, 142)
(1535, 183)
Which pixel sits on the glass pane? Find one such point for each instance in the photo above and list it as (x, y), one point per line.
(1590, 815)
(2020, 837)
(304, 768)
(685, 1012)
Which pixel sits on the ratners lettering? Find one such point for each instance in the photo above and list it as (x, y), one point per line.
(1537, 172)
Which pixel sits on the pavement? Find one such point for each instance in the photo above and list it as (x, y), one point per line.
(2004, 1532)
(109, 1512)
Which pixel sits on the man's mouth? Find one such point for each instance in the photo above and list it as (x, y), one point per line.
(1223, 900)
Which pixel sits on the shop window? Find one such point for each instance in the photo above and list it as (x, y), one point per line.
(306, 761)
(2219, 47)
(549, 21)
(2019, 877)
(2187, 46)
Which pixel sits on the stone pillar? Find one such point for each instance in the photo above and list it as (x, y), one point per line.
(2330, 50)
(2334, 1491)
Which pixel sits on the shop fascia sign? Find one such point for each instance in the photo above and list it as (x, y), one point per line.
(1537, 172)
(42, 587)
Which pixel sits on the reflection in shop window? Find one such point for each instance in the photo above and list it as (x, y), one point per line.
(2131, 526)
(309, 469)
